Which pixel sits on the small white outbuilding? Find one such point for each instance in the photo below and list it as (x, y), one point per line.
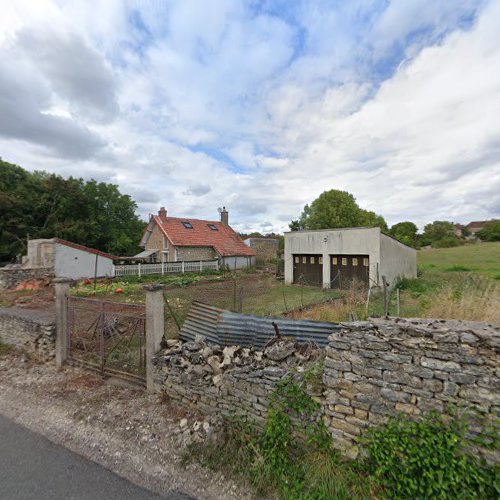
(68, 259)
(331, 258)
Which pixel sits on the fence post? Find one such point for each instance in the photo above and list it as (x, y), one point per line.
(182, 267)
(201, 265)
(162, 268)
(155, 328)
(139, 269)
(62, 293)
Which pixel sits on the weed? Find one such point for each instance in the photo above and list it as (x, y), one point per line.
(5, 349)
(427, 459)
(458, 268)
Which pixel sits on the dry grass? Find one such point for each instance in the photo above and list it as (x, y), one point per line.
(479, 301)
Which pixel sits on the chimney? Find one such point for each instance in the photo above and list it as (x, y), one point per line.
(162, 213)
(224, 216)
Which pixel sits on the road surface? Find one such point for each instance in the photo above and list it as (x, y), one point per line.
(33, 468)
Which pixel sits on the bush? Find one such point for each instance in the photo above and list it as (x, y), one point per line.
(426, 459)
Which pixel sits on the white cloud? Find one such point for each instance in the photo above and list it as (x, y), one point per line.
(194, 105)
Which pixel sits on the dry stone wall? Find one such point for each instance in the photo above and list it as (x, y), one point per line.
(11, 278)
(29, 329)
(371, 372)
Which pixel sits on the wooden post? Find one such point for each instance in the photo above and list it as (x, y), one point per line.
(398, 303)
(386, 296)
(139, 269)
(162, 267)
(155, 329)
(201, 265)
(182, 267)
(62, 330)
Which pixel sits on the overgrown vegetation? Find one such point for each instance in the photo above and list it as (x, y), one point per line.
(5, 349)
(292, 457)
(428, 458)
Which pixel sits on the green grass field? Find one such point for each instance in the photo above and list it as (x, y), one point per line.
(481, 258)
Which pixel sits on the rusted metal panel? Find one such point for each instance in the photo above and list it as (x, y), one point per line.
(228, 328)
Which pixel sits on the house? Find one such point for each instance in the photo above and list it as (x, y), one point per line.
(175, 239)
(265, 249)
(476, 226)
(331, 258)
(458, 230)
(68, 259)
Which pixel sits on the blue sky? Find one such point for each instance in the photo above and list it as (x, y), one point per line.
(260, 105)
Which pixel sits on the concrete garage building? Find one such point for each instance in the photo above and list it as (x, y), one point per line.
(332, 258)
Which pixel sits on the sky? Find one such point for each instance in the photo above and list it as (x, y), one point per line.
(260, 105)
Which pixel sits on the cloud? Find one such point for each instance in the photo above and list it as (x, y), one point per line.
(260, 106)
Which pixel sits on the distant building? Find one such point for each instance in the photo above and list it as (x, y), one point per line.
(68, 259)
(264, 248)
(175, 239)
(476, 226)
(332, 258)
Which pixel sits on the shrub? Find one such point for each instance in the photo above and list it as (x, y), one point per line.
(426, 459)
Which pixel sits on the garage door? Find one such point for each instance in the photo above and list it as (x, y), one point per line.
(345, 269)
(308, 269)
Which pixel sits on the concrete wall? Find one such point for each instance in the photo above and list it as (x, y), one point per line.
(356, 241)
(29, 329)
(238, 262)
(73, 263)
(40, 253)
(372, 372)
(396, 260)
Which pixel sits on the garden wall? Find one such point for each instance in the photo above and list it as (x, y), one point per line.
(29, 329)
(32, 277)
(372, 371)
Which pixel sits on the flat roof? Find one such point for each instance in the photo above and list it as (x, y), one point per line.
(330, 229)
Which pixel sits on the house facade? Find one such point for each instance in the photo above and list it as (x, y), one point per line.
(332, 258)
(264, 248)
(175, 239)
(68, 259)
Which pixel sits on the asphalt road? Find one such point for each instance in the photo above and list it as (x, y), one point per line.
(33, 468)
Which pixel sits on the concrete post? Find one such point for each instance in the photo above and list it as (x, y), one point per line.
(155, 328)
(62, 293)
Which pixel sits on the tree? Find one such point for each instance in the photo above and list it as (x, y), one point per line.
(335, 209)
(405, 232)
(440, 234)
(44, 205)
(491, 232)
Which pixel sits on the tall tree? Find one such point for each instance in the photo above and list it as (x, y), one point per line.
(440, 234)
(335, 209)
(491, 232)
(405, 232)
(44, 205)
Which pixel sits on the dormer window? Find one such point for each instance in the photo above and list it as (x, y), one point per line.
(213, 227)
(187, 225)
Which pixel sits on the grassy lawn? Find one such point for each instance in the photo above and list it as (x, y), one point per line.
(481, 258)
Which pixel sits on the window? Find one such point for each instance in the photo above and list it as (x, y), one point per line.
(187, 225)
(321, 260)
(296, 260)
(365, 262)
(304, 260)
(312, 260)
(212, 227)
(334, 261)
(344, 261)
(354, 261)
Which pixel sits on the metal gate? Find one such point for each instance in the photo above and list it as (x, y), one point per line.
(345, 269)
(109, 337)
(308, 269)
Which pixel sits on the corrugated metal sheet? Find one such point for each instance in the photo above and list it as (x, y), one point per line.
(228, 328)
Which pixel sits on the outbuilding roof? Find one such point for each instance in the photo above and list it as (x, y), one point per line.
(182, 232)
(84, 248)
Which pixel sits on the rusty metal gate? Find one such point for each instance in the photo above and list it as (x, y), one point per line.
(308, 269)
(108, 337)
(345, 269)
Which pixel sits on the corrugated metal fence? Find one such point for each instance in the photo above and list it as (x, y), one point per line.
(228, 328)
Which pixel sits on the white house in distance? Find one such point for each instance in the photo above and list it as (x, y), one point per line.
(331, 258)
(68, 259)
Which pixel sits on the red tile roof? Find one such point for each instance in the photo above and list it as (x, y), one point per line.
(225, 241)
(84, 248)
(479, 224)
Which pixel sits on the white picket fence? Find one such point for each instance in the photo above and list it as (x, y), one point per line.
(165, 268)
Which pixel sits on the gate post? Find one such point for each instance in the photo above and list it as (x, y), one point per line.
(62, 293)
(155, 328)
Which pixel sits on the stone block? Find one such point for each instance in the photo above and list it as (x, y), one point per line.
(395, 396)
(437, 364)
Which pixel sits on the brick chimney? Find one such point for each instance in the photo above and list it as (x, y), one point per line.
(224, 216)
(162, 213)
